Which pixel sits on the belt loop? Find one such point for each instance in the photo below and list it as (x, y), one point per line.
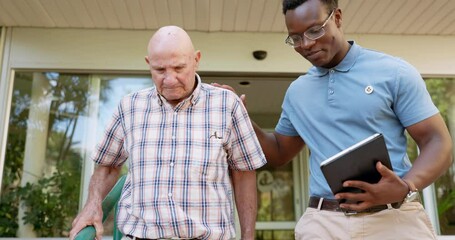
(389, 206)
(320, 203)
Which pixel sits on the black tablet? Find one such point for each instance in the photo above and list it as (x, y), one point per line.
(357, 162)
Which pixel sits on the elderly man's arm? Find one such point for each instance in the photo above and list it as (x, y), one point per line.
(246, 201)
(101, 182)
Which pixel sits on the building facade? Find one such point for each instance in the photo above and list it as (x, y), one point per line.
(58, 87)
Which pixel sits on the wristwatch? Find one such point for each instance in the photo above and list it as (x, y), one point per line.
(413, 193)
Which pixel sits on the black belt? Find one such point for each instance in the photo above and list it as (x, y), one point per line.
(333, 205)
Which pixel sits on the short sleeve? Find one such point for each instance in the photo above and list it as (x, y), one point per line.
(110, 150)
(412, 101)
(285, 126)
(245, 151)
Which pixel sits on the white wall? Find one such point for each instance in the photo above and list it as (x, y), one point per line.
(225, 52)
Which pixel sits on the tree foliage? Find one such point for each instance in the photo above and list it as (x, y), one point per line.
(50, 203)
(442, 91)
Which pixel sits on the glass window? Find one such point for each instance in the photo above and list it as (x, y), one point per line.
(282, 194)
(275, 234)
(50, 137)
(42, 172)
(276, 194)
(442, 91)
(276, 201)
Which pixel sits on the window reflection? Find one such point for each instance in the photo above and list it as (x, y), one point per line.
(442, 91)
(275, 235)
(47, 143)
(275, 194)
(42, 172)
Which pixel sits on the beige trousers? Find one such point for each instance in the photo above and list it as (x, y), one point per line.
(410, 221)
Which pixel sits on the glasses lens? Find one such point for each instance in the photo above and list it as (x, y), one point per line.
(293, 40)
(314, 33)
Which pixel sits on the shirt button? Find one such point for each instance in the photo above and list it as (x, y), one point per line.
(332, 71)
(331, 91)
(173, 137)
(172, 164)
(169, 194)
(332, 81)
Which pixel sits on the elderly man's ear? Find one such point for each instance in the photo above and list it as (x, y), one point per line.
(147, 59)
(197, 58)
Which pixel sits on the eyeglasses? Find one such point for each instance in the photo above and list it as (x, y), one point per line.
(312, 33)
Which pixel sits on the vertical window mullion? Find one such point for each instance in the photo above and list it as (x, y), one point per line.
(89, 139)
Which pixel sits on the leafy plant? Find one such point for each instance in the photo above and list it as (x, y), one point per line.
(51, 202)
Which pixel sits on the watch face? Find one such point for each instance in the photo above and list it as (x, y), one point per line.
(412, 196)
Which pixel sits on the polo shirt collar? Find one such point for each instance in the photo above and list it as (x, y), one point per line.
(345, 65)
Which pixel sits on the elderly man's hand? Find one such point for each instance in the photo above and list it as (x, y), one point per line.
(90, 215)
(228, 87)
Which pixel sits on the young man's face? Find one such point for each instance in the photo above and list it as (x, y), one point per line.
(322, 52)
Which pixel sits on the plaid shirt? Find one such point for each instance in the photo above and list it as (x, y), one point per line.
(178, 182)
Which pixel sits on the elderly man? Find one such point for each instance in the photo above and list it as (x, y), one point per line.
(182, 138)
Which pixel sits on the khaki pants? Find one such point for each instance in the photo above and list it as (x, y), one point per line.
(410, 221)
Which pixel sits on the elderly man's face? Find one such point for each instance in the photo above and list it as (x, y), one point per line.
(173, 72)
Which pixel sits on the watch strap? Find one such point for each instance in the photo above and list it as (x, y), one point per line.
(411, 186)
(413, 193)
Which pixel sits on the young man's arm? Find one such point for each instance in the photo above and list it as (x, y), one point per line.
(101, 182)
(278, 149)
(245, 193)
(435, 157)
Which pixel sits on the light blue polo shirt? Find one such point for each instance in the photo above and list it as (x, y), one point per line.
(368, 92)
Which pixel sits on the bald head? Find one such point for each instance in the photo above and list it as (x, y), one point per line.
(170, 38)
(173, 63)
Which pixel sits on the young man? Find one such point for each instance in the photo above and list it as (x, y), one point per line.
(349, 94)
(181, 139)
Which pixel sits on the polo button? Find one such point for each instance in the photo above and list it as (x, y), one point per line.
(369, 90)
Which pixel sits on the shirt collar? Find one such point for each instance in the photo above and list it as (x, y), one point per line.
(345, 65)
(196, 93)
(193, 98)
